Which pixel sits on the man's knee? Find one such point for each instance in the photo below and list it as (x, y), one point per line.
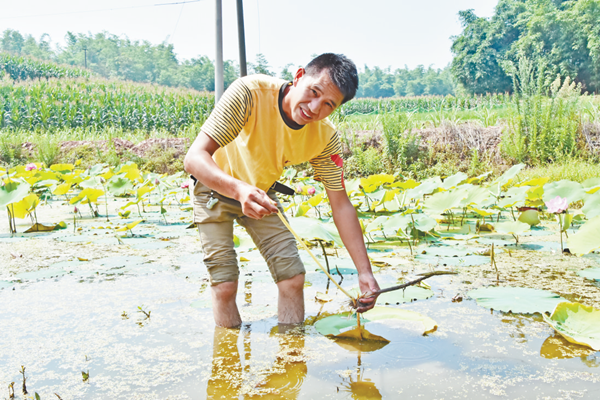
(294, 284)
(225, 291)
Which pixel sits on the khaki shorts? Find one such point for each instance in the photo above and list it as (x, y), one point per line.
(274, 241)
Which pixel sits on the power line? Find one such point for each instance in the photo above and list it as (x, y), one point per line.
(99, 10)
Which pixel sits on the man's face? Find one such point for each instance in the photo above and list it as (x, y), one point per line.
(311, 98)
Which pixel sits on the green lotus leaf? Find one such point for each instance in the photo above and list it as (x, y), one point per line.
(475, 195)
(572, 191)
(442, 201)
(508, 176)
(406, 295)
(311, 229)
(424, 223)
(530, 217)
(426, 187)
(587, 238)
(62, 167)
(25, 206)
(376, 224)
(516, 299)
(590, 273)
(511, 227)
(514, 196)
(91, 182)
(13, 192)
(118, 185)
(397, 223)
(591, 208)
(577, 323)
(454, 180)
(336, 325)
(591, 183)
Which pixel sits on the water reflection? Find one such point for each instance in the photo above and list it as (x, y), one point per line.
(557, 347)
(360, 388)
(284, 378)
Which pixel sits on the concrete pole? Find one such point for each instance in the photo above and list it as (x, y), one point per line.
(241, 38)
(219, 85)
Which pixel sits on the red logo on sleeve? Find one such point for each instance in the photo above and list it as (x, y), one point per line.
(337, 160)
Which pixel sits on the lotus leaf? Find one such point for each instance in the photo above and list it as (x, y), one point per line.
(516, 299)
(454, 180)
(129, 226)
(131, 171)
(88, 195)
(442, 201)
(91, 182)
(475, 195)
(508, 176)
(376, 224)
(478, 179)
(530, 217)
(397, 223)
(426, 187)
(424, 223)
(23, 208)
(302, 209)
(310, 229)
(409, 184)
(572, 191)
(336, 325)
(61, 189)
(590, 273)
(405, 295)
(62, 167)
(13, 192)
(591, 208)
(535, 182)
(511, 227)
(316, 200)
(587, 238)
(577, 323)
(591, 183)
(46, 228)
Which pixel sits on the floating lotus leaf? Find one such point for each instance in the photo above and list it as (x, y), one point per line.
(311, 229)
(61, 189)
(88, 195)
(572, 191)
(442, 201)
(530, 217)
(336, 325)
(590, 273)
(376, 224)
(371, 183)
(587, 238)
(577, 323)
(511, 227)
(46, 227)
(516, 299)
(406, 295)
(397, 223)
(591, 208)
(535, 182)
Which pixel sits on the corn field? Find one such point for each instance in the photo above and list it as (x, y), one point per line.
(23, 68)
(97, 104)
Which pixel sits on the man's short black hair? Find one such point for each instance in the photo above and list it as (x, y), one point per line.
(341, 70)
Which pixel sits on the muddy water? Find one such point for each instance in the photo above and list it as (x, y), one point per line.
(61, 315)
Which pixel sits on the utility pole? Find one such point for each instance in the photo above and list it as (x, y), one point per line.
(85, 56)
(241, 37)
(219, 58)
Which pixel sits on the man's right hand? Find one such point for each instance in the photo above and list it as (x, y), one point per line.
(255, 202)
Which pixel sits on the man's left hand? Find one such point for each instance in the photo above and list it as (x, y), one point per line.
(368, 285)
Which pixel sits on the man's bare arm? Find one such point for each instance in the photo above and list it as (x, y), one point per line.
(346, 221)
(199, 163)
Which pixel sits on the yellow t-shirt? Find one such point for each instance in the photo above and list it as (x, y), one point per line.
(257, 143)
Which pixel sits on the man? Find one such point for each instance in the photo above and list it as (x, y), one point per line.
(261, 125)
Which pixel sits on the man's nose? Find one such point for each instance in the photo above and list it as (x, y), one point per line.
(315, 105)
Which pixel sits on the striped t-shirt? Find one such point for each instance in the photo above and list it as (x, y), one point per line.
(257, 142)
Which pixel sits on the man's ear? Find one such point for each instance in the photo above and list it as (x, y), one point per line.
(299, 74)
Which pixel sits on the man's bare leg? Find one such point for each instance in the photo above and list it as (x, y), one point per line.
(290, 305)
(224, 307)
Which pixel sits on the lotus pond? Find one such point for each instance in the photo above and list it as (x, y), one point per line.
(114, 301)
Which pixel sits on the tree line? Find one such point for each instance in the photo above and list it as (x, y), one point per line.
(112, 56)
(558, 36)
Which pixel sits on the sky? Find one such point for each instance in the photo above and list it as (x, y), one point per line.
(384, 33)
